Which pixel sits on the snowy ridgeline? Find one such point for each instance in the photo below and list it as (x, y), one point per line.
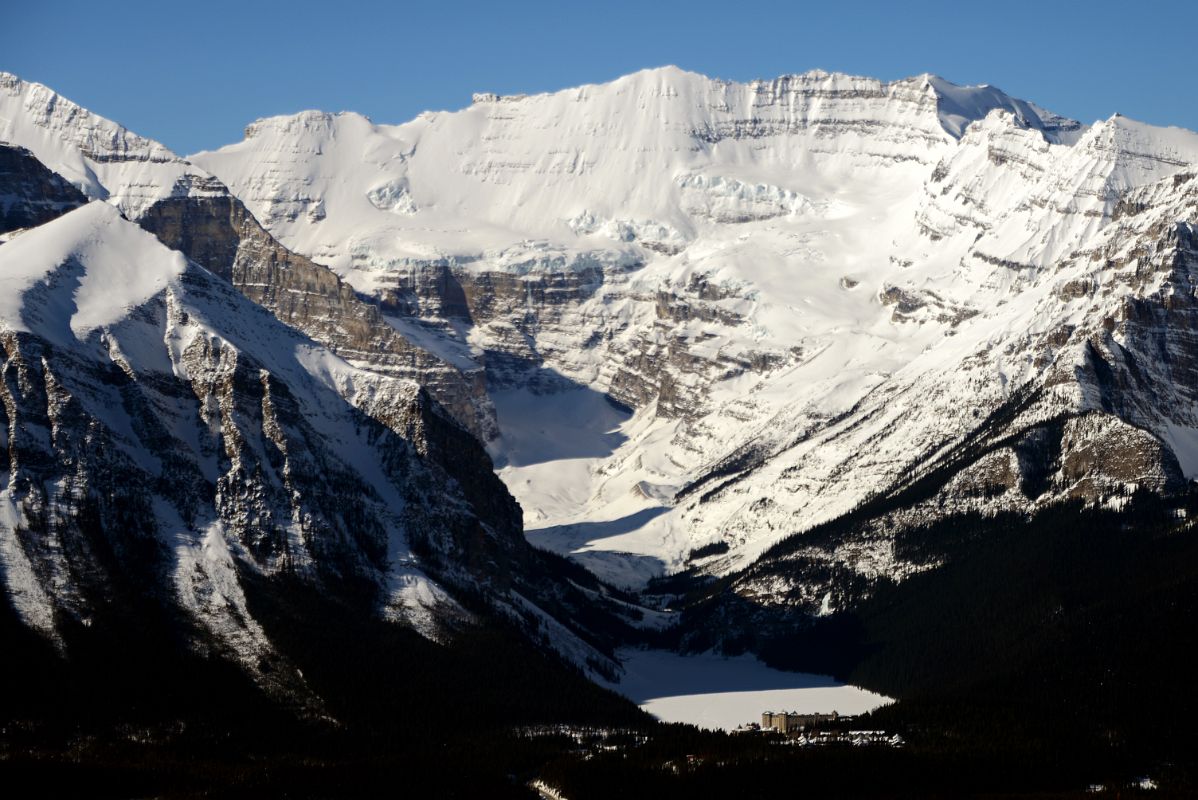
(723, 693)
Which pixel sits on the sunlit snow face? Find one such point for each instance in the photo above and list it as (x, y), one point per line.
(855, 243)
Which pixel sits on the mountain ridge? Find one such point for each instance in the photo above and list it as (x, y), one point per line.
(954, 94)
(155, 187)
(162, 429)
(751, 267)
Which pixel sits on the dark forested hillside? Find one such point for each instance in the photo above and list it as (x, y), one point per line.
(1065, 634)
(1044, 657)
(136, 708)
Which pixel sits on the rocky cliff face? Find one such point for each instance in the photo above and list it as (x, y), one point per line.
(32, 193)
(161, 431)
(217, 232)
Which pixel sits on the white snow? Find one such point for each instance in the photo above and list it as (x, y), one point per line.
(721, 693)
(1183, 441)
(958, 106)
(105, 267)
(549, 443)
(494, 174)
(21, 584)
(552, 453)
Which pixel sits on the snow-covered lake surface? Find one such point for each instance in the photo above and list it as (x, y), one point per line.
(713, 691)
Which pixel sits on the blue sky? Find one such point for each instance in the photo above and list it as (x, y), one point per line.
(192, 74)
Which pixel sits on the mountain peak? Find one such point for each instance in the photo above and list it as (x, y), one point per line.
(102, 158)
(959, 106)
(99, 138)
(309, 120)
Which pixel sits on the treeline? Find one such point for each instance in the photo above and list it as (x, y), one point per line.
(135, 708)
(1044, 655)
(746, 766)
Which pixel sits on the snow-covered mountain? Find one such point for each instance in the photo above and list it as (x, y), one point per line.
(712, 315)
(159, 427)
(160, 430)
(32, 194)
(192, 211)
(806, 292)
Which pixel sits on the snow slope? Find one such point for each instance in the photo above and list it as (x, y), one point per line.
(120, 266)
(575, 170)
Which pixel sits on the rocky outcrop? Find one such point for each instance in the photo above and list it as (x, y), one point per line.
(216, 231)
(554, 317)
(30, 193)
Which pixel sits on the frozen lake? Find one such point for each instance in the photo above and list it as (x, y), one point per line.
(713, 691)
